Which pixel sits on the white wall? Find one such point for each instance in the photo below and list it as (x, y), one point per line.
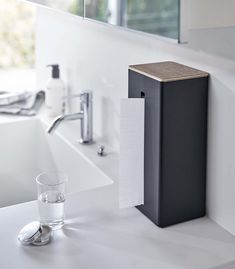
(209, 26)
(96, 56)
(211, 13)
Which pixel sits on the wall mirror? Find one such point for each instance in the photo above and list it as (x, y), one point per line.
(193, 22)
(158, 17)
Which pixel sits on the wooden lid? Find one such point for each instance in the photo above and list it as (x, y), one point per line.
(167, 71)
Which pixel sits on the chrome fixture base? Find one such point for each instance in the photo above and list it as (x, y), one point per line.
(81, 141)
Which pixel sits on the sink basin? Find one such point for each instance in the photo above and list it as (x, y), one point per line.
(26, 150)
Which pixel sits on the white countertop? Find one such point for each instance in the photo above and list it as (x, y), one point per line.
(99, 235)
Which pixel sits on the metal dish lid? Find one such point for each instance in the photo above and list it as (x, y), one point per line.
(30, 233)
(35, 233)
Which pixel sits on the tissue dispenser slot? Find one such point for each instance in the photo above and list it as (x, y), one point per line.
(175, 140)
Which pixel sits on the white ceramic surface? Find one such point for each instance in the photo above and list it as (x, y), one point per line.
(97, 234)
(27, 150)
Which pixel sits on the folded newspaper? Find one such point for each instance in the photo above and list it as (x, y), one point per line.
(21, 103)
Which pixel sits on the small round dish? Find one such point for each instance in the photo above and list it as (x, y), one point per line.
(44, 238)
(29, 233)
(35, 233)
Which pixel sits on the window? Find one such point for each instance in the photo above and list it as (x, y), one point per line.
(17, 45)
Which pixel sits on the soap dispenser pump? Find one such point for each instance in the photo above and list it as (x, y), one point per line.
(54, 92)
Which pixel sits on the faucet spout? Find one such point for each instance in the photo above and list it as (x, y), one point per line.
(59, 119)
(84, 114)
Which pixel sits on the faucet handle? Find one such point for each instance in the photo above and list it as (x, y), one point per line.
(85, 96)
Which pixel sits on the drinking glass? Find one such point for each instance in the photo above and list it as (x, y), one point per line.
(51, 198)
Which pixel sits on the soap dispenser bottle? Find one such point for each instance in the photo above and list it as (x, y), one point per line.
(54, 92)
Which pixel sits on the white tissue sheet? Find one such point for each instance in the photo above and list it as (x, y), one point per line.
(131, 166)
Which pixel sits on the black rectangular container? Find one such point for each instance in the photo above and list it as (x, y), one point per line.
(175, 140)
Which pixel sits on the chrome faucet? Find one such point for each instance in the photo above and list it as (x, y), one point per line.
(85, 115)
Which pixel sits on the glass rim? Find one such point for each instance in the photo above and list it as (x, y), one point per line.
(60, 173)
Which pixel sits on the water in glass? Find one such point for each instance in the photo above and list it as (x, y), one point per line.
(51, 208)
